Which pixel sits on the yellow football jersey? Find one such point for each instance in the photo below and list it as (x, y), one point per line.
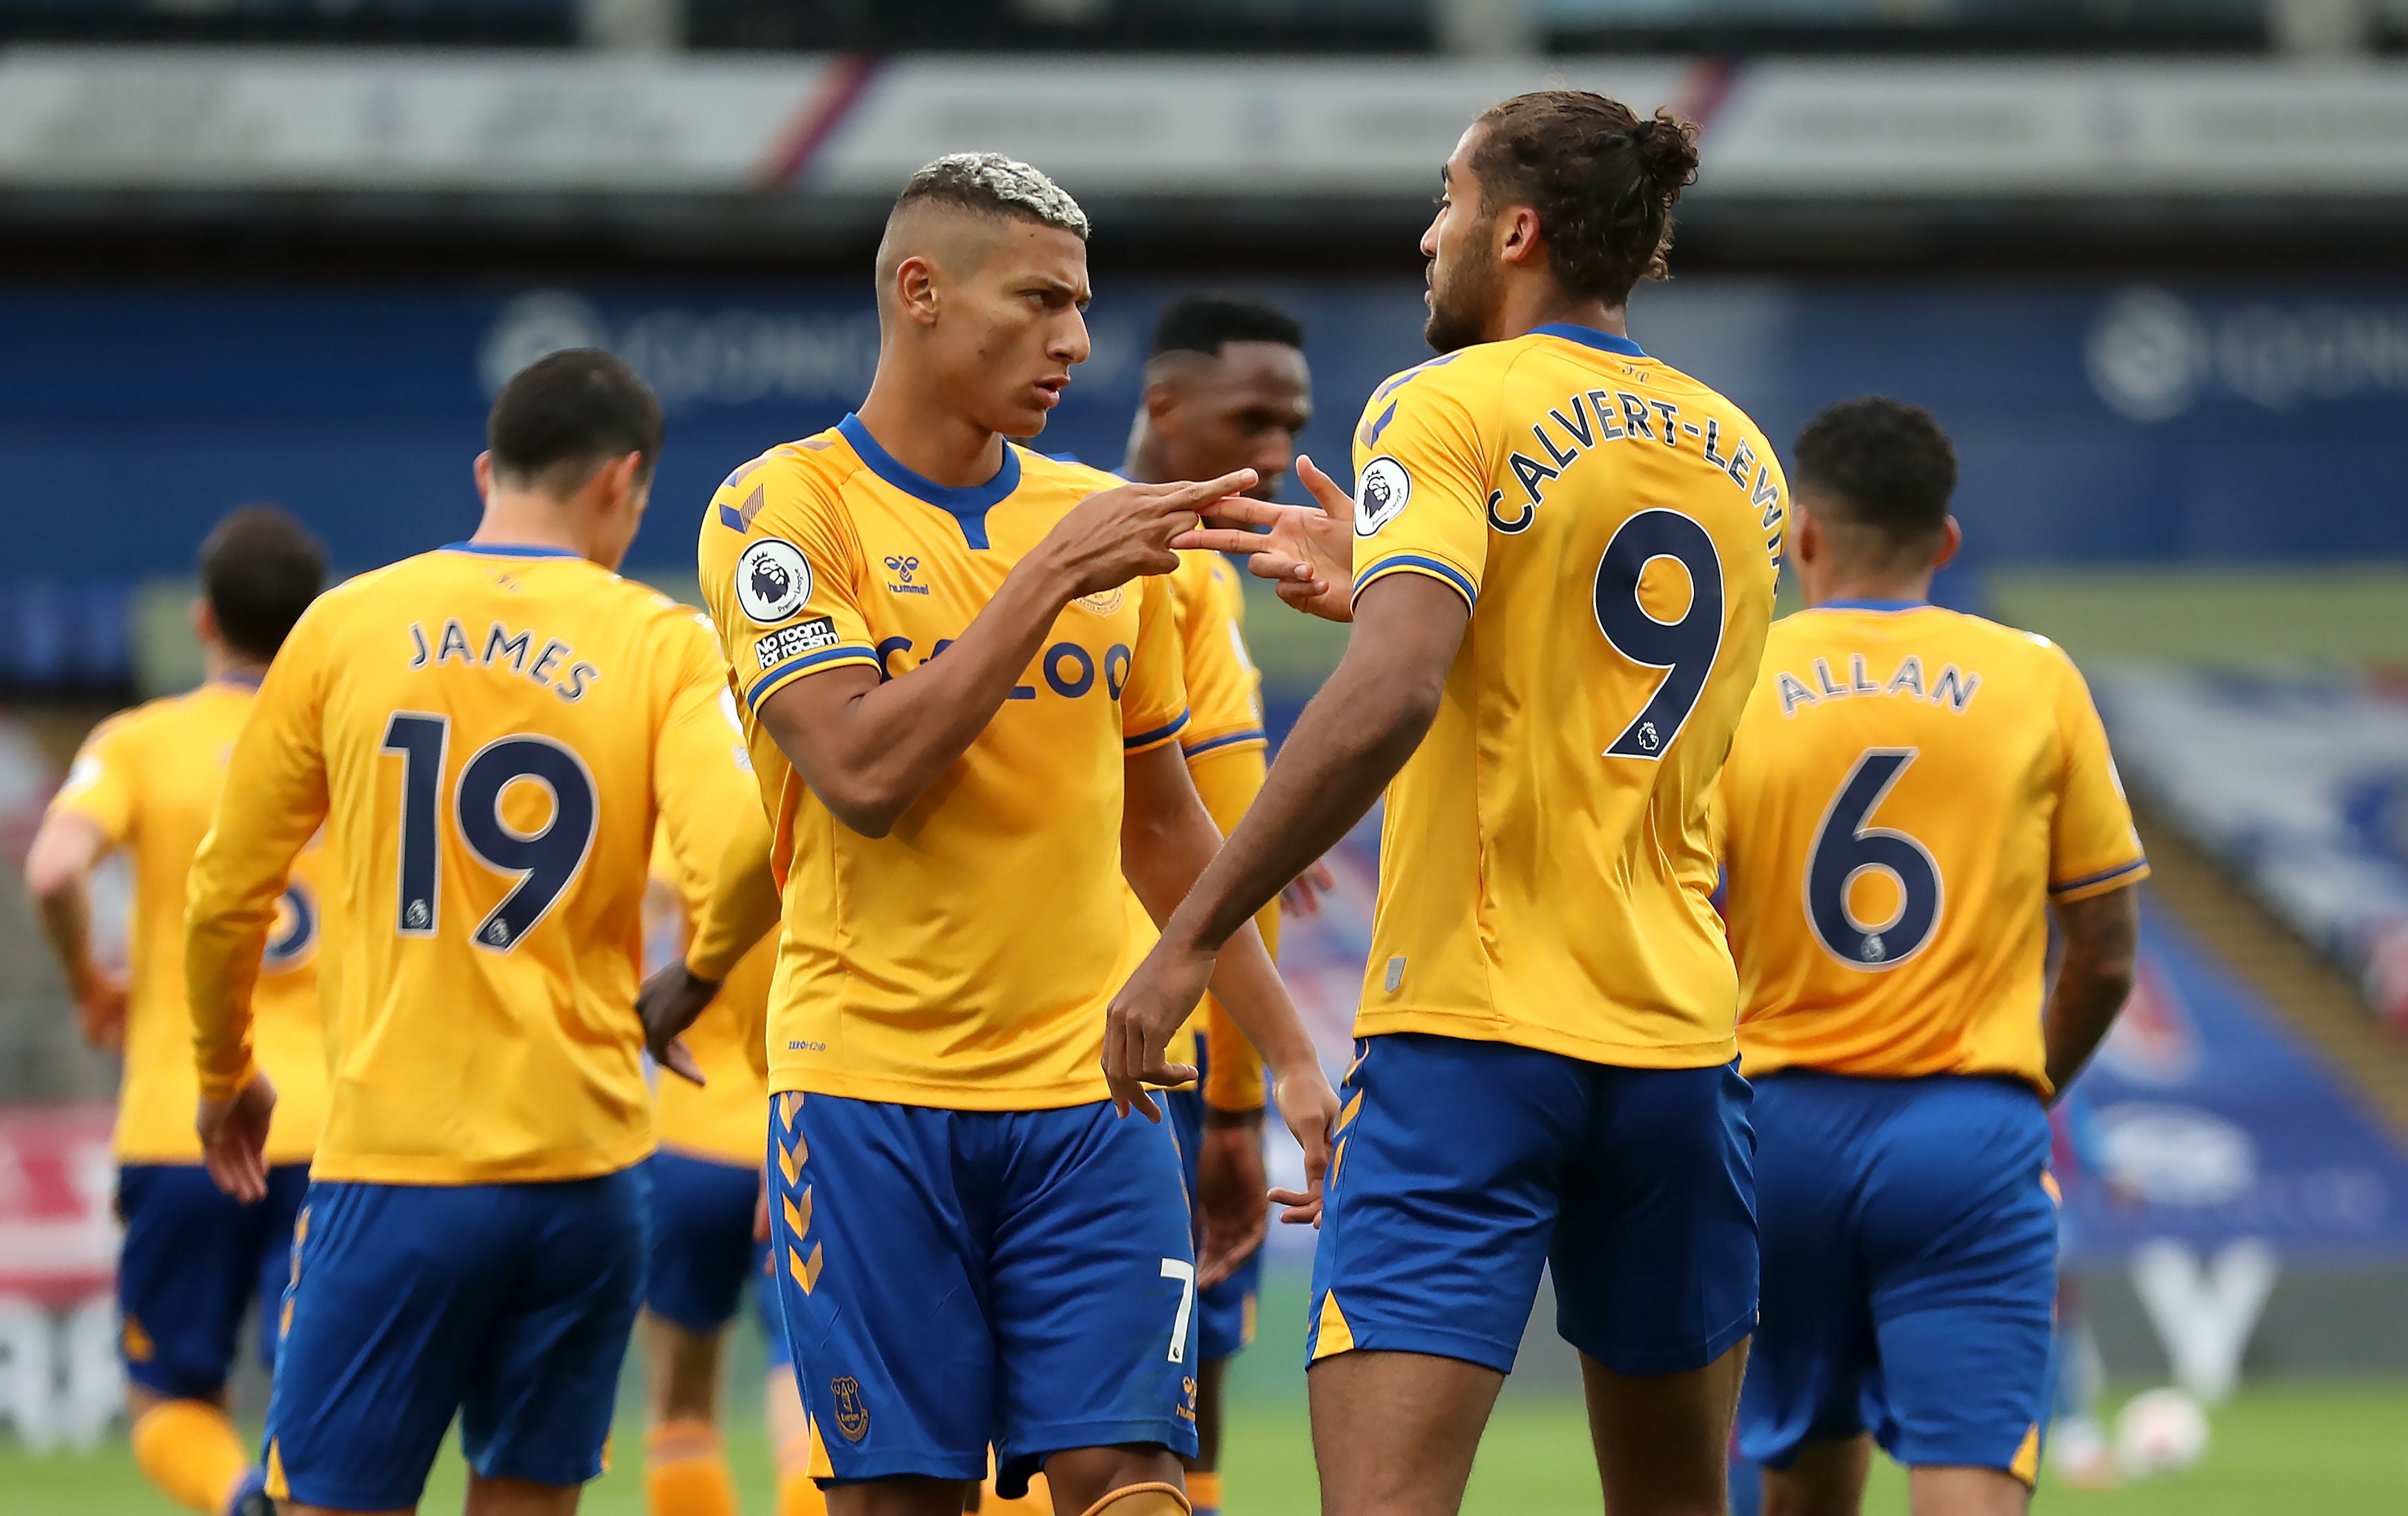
(149, 780)
(490, 734)
(1546, 868)
(1908, 785)
(963, 960)
(1225, 689)
(725, 1119)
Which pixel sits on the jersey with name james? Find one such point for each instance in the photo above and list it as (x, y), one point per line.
(963, 960)
(1546, 867)
(490, 734)
(1909, 787)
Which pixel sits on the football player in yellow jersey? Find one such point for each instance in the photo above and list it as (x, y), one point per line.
(1561, 575)
(194, 1260)
(963, 700)
(1227, 388)
(1910, 792)
(490, 734)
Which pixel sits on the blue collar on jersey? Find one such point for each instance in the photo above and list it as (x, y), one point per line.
(1589, 336)
(509, 550)
(1873, 605)
(967, 504)
(238, 678)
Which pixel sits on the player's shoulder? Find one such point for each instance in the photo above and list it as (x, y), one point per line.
(812, 468)
(1039, 470)
(2030, 648)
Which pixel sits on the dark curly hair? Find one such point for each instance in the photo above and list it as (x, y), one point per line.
(1878, 462)
(1602, 179)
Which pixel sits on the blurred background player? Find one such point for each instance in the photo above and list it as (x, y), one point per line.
(194, 1261)
(973, 1247)
(707, 1192)
(490, 733)
(1227, 388)
(1546, 1072)
(1911, 793)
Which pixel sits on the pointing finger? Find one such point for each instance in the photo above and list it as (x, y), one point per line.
(1191, 495)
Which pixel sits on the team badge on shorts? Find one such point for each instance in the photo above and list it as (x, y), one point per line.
(773, 579)
(1380, 494)
(852, 1416)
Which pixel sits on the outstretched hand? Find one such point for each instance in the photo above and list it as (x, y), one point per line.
(667, 1005)
(1115, 534)
(1308, 553)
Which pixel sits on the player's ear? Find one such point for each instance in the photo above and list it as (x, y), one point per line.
(484, 472)
(917, 294)
(1952, 537)
(1517, 234)
(205, 619)
(1805, 533)
(1161, 401)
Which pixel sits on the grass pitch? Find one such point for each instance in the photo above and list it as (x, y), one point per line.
(2322, 1448)
(2318, 1448)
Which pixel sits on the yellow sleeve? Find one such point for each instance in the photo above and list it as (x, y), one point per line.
(1222, 710)
(1229, 779)
(1420, 487)
(2092, 845)
(104, 784)
(271, 805)
(1154, 698)
(708, 806)
(743, 904)
(779, 581)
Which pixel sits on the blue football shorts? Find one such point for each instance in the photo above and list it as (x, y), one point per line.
(702, 1248)
(1911, 1246)
(193, 1262)
(508, 1304)
(1463, 1168)
(953, 1279)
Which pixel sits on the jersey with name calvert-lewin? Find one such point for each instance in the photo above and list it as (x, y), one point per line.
(965, 960)
(149, 780)
(490, 734)
(1546, 865)
(1908, 789)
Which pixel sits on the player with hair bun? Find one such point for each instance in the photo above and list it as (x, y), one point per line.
(1560, 572)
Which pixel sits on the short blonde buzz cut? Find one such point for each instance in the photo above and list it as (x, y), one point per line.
(951, 211)
(991, 183)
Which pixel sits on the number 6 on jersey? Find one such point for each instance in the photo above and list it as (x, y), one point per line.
(1846, 847)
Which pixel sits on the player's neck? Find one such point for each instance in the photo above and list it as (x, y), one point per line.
(523, 519)
(1530, 304)
(219, 662)
(1886, 588)
(941, 446)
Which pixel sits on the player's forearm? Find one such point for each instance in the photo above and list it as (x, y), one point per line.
(1346, 747)
(2093, 977)
(1168, 839)
(223, 937)
(744, 905)
(886, 745)
(58, 872)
